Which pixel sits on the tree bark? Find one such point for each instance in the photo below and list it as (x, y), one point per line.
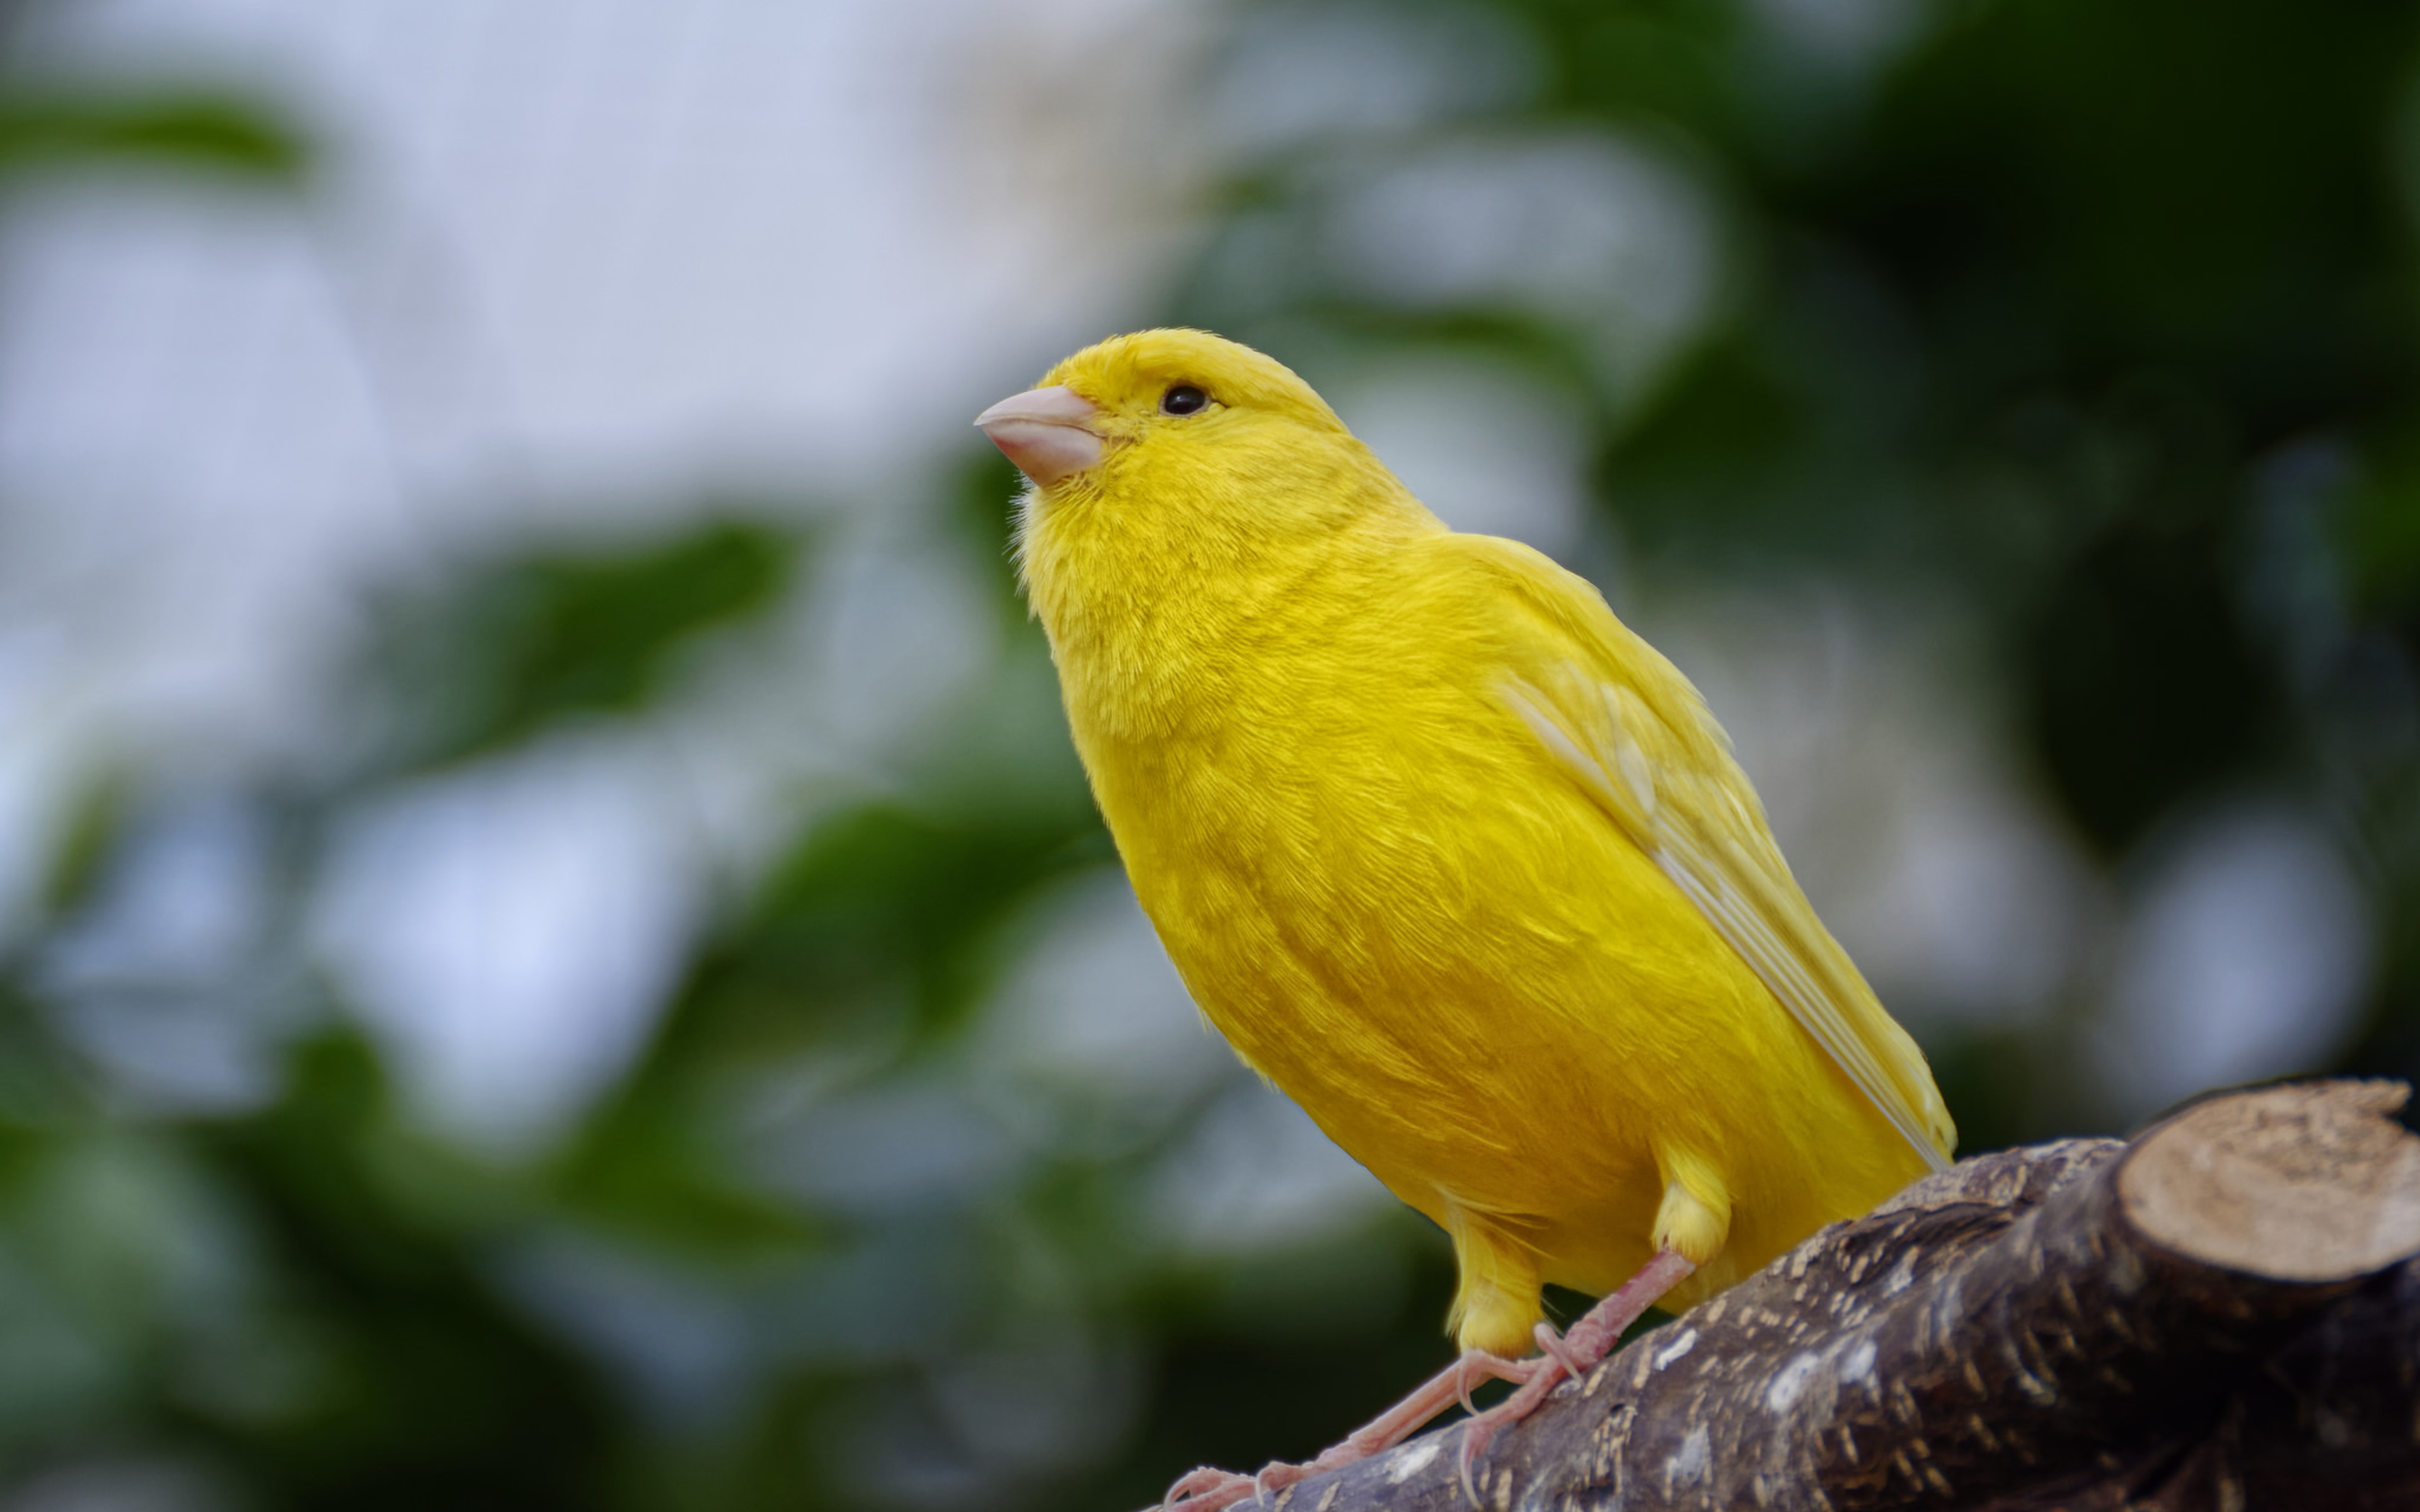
(2223, 1314)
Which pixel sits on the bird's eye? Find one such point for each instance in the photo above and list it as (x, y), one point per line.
(1183, 399)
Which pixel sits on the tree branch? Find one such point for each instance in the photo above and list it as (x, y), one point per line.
(2223, 1314)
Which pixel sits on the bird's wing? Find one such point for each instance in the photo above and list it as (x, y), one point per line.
(1636, 735)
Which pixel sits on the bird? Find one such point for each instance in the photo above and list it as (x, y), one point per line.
(1453, 858)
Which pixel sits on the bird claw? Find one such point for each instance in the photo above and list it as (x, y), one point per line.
(1551, 1345)
(1573, 1357)
(1207, 1489)
(1474, 1438)
(1462, 1386)
(1566, 1356)
(1482, 1426)
(1278, 1474)
(1487, 1368)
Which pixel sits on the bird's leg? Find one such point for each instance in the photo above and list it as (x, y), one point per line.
(1585, 1344)
(1571, 1354)
(1431, 1396)
(1207, 1489)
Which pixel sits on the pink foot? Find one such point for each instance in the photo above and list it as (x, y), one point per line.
(1572, 1356)
(1207, 1489)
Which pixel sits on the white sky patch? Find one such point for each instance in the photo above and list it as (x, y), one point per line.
(163, 982)
(1948, 878)
(1295, 76)
(889, 633)
(579, 244)
(886, 1148)
(1591, 232)
(562, 264)
(1094, 1002)
(2245, 954)
(193, 468)
(564, 268)
(1488, 449)
(509, 933)
(1256, 1172)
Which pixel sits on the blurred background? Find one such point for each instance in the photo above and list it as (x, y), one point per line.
(554, 952)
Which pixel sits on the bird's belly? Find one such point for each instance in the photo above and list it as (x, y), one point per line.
(1492, 999)
(1464, 1083)
(1492, 1023)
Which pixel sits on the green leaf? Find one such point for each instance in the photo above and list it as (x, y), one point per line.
(197, 129)
(508, 650)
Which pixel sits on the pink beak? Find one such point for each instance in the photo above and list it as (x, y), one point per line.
(1045, 432)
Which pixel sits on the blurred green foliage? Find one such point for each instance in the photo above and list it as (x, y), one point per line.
(2097, 319)
(504, 649)
(194, 130)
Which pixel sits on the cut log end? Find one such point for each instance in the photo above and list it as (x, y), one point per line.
(2310, 1183)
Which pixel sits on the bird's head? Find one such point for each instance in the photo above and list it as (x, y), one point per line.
(1176, 422)
(1179, 477)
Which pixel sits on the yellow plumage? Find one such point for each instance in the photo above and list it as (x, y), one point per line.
(1447, 853)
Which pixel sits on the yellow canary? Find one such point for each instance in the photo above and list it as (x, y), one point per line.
(1443, 850)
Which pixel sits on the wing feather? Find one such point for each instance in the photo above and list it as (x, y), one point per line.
(1636, 735)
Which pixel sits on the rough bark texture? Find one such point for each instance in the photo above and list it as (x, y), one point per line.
(2223, 1314)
